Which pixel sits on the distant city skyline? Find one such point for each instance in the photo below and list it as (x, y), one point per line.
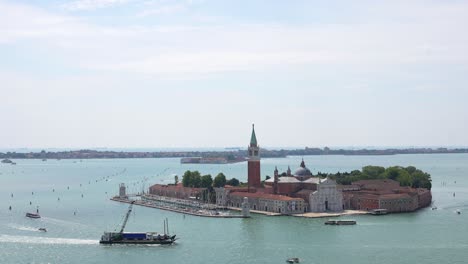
(198, 73)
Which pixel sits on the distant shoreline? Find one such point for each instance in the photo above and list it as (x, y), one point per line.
(229, 156)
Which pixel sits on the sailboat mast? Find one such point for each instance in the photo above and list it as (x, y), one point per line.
(167, 223)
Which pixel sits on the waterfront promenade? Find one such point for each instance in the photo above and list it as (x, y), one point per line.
(180, 208)
(196, 208)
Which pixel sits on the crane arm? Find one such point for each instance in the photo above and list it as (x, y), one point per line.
(126, 217)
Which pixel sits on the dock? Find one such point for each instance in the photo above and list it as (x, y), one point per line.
(188, 211)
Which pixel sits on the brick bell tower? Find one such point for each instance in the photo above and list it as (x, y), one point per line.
(253, 164)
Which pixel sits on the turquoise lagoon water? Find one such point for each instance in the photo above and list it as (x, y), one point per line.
(427, 236)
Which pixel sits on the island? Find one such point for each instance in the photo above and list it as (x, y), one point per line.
(221, 156)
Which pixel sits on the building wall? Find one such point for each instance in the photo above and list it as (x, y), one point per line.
(402, 204)
(288, 188)
(175, 191)
(364, 202)
(309, 186)
(269, 205)
(424, 198)
(326, 198)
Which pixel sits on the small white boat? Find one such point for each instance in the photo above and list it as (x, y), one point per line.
(293, 260)
(378, 212)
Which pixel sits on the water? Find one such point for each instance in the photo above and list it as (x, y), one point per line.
(429, 236)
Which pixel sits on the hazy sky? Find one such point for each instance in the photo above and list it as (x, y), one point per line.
(168, 73)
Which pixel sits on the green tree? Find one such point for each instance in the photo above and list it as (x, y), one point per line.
(393, 173)
(191, 179)
(404, 178)
(372, 172)
(206, 181)
(421, 180)
(187, 179)
(196, 179)
(233, 182)
(410, 169)
(219, 180)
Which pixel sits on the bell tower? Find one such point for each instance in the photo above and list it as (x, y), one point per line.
(253, 164)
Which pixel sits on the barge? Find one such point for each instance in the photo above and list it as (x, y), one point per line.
(143, 238)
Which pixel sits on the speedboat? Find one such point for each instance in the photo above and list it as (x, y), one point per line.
(42, 229)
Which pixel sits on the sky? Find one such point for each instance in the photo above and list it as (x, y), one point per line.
(198, 73)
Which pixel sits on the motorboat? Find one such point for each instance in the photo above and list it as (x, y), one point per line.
(293, 260)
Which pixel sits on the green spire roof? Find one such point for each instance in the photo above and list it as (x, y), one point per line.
(253, 138)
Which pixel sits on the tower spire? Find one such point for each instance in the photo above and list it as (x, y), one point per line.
(253, 138)
(254, 162)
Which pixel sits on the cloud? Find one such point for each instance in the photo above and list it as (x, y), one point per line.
(163, 10)
(211, 49)
(79, 5)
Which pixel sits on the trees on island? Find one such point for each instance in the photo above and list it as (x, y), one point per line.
(220, 180)
(233, 182)
(406, 176)
(195, 180)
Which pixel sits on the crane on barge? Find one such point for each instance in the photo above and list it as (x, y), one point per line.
(126, 217)
(122, 237)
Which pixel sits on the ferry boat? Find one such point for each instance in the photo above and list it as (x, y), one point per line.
(33, 215)
(145, 238)
(340, 222)
(378, 212)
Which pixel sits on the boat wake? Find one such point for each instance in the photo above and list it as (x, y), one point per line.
(61, 222)
(46, 240)
(24, 228)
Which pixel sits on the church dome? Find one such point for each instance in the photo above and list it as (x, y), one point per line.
(302, 171)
